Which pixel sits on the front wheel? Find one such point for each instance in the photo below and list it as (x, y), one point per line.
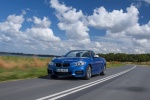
(104, 71)
(88, 73)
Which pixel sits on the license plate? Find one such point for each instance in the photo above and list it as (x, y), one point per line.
(62, 70)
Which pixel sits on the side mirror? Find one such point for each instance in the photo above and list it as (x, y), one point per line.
(96, 56)
(62, 56)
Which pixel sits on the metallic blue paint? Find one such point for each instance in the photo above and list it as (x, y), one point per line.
(71, 64)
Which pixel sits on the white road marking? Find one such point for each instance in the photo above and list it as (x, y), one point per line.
(81, 87)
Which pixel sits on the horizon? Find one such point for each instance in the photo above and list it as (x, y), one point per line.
(19, 53)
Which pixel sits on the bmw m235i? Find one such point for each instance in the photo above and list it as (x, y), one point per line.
(77, 63)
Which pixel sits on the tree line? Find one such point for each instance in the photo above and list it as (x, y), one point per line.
(126, 57)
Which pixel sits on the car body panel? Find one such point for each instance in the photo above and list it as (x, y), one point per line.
(66, 66)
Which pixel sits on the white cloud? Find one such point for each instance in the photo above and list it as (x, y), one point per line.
(37, 38)
(23, 12)
(41, 31)
(123, 31)
(71, 21)
(140, 32)
(76, 30)
(145, 43)
(148, 1)
(40, 34)
(29, 19)
(61, 8)
(13, 23)
(45, 23)
(115, 21)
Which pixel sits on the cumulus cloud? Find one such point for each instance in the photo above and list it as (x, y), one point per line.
(39, 36)
(123, 31)
(10, 30)
(45, 23)
(142, 42)
(115, 21)
(59, 7)
(71, 21)
(13, 23)
(139, 32)
(41, 31)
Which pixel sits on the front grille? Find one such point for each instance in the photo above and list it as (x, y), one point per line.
(62, 64)
(58, 64)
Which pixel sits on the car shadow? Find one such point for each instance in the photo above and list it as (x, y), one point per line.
(60, 78)
(65, 78)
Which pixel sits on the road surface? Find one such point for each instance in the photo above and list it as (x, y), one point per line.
(128, 82)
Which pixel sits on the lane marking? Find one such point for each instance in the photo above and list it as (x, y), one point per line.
(81, 87)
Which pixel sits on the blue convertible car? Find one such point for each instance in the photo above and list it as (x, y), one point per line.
(77, 63)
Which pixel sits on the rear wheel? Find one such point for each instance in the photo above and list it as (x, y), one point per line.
(104, 71)
(88, 73)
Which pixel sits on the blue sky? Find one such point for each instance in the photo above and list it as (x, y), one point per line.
(58, 26)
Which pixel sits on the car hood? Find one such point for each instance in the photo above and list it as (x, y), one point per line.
(68, 59)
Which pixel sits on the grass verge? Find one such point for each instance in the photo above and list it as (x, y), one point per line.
(115, 64)
(143, 63)
(14, 67)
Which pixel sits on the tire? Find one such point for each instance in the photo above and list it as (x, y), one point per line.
(104, 71)
(88, 73)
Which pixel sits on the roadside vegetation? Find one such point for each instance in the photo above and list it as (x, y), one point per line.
(115, 64)
(138, 59)
(122, 57)
(16, 67)
(19, 67)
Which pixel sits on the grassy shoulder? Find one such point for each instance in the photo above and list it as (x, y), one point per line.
(142, 63)
(115, 64)
(14, 67)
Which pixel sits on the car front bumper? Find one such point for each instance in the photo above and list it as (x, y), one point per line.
(72, 71)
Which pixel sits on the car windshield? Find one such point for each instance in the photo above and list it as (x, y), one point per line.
(79, 53)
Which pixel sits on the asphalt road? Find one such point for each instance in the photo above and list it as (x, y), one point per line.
(122, 83)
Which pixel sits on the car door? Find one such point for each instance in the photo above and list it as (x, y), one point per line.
(96, 65)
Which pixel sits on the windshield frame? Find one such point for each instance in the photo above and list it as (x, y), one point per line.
(79, 51)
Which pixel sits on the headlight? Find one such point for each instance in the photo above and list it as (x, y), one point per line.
(52, 63)
(80, 63)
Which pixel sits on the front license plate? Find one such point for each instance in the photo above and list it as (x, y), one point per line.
(62, 70)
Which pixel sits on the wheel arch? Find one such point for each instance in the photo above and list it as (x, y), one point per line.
(90, 66)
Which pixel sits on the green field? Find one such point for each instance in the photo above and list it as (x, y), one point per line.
(15, 67)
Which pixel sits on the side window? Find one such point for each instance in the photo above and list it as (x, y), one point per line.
(86, 54)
